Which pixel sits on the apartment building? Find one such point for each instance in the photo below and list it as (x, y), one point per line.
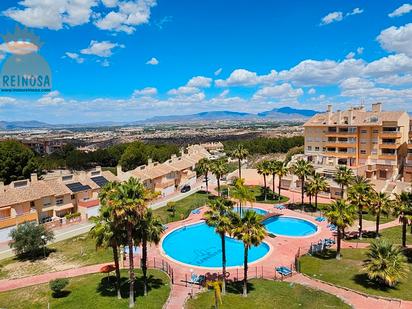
(374, 143)
(166, 177)
(407, 170)
(43, 200)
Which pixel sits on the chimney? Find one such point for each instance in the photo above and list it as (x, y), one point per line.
(33, 177)
(377, 107)
(350, 116)
(150, 163)
(119, 170)
(98, 169)
(339, 120)
(329, 112)
(329, 108)
(1, 186)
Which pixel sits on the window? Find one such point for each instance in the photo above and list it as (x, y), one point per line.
(46, 201)
(364, 131)
(316, 148)
(374, 151)
(363, 151)
(72, 197)
(59, 200)
(309, 148)
(375, 131)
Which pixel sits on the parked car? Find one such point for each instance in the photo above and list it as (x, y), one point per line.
(185, 188)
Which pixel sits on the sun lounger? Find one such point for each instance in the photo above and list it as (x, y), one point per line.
(196, 211)
(280, 207)
(284, 271)
(320, 219)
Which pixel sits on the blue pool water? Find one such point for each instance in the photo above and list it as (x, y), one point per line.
(259, 211)
(199, 245)
(288, 226)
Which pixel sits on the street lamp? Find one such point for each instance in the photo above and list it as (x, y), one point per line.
(191, 283)
(43, 238)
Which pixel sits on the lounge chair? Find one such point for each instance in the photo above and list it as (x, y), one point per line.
(320, 219)
(280, 207)
(196, 211)
(284, 271)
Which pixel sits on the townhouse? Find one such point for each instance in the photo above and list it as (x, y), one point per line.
(407, 170)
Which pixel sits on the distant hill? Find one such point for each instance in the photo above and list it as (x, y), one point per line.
(281, 114)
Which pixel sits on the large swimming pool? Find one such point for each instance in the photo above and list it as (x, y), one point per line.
(288, 226)
(259, 211)
(199, 245)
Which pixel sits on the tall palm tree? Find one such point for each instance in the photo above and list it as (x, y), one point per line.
(219, 168)
(263, 169)
(344, 176)
(219, 217)
(318, 184)
(403, 209)
(341, 214)
(203, 168)
(273, 167)
(242, 193)
(128, 207)
(148, 229)
(240, 153)
(310, 191)
(359, 194)
(251, 232)
(282, 171)
(106, 235)
(381, 202)
(302, 169)
(385, 263)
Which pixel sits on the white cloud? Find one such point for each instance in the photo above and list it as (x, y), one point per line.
(284, 90)
(355, 11)
(148, 91)
(105, 63)
(51, 98)
(129, 15)
(100, 49)
(395, 80)
(332, 17)
(242, 77)
(76, 57)
(153, 61)
(392, 64)
(397, 39)
(356, 83)
(52, 14)
(218, 71)
(403, 9)
(183, 90)
(350, 55)
(360, 50)
(200, 82)
(110, 3)
(312, 91)
(7, 101)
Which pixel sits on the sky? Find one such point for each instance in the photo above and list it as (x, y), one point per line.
(126, 60)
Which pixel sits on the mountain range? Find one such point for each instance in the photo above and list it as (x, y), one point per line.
(280, 114)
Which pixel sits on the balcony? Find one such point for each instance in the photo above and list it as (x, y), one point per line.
(12, 221)
(341, 134)
(340, 154)
(87, 203)
(390, 134)
(394, 145)
(340, 144)
(391, 157)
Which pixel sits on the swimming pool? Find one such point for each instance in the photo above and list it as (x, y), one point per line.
(259, 211)
(199, 245)
(289, 226)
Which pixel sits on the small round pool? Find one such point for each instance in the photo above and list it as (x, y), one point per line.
(288, 226)
(259, 211)
(200, 245)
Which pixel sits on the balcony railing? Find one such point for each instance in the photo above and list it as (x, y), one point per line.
(88, 203)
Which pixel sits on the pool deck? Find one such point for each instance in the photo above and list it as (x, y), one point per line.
(282, 253)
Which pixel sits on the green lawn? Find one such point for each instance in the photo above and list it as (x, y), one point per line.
(383, 219)
(70, 253)
(183, 207)
(90, 291)
(393, 234)
(269, 294)
(348, 272)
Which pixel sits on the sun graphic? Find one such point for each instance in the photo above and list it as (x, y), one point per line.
(21, 42)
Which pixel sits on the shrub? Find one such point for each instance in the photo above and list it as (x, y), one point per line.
(69, 216)
(29, 239)
(57, 285)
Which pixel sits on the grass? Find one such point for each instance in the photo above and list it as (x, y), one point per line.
(269, 294)
(183, 207)
(90, 291)
(383, 219)
(393, 234)
(348, 273)
(70, 253)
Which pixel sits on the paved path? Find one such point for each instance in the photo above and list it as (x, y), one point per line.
(354, 299)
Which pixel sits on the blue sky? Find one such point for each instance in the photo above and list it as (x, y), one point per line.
(128, 60)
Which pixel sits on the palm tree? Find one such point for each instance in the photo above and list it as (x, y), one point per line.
(302, 169)
(128, 207)
(273, 167)
(344, 176)
(251, 232)
(106, 235)
(240, 153)
(242, 193)
(381, 202)
(263, 169)
(203, 168)
(385, 263)
(310, 191)
(403, 209)
(219, 168)
(318, 184)
(359, 194)
(148, 230)
(341, 214)
(282, 171)
(218, 216)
